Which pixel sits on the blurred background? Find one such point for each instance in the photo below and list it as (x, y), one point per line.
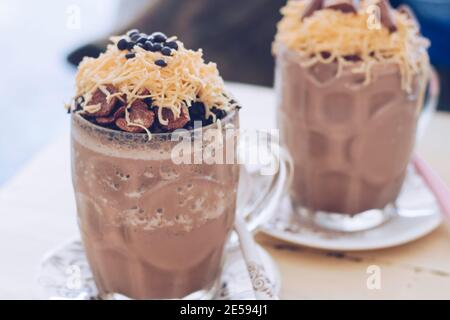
(43, 40)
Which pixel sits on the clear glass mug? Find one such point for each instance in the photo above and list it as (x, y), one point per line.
(154, 224)
(350, 143)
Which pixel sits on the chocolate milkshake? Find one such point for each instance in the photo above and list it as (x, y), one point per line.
(152, 227)
(350, 92)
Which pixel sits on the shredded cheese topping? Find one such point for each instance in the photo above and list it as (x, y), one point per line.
(341, 34)
(185, 79)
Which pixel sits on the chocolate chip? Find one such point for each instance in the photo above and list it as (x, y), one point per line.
(156, 128)
(161, 63)
(312, 7)
(197, 111)
(142, 40)
(122, 44)
(149, 46)
(345, 6)
(140, 45)
(131, 45)
(130, 55)
(325, 54)
(207, 122)
(148, 101)
(99, 97)
(220, 114)
(352, 57)
(158, 37)
(120, 113)
(78, 102)
(172, 45)
(166, 51)
(157, 46)
(134, 37)
(132, 32)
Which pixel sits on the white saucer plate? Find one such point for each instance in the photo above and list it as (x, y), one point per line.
(417, 214)
(64, 274)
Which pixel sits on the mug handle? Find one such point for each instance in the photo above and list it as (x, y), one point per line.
(267, 202)
(430, 104)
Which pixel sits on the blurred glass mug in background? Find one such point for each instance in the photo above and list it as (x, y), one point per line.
(350, 144)
(152, 227)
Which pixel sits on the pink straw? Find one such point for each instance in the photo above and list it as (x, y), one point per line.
(435, 183)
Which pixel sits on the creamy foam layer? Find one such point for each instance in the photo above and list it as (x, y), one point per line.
(138, 146)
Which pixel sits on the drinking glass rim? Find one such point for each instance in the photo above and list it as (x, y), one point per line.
(230, 115)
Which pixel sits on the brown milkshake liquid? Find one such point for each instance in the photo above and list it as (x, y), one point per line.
(348, 123)
(153, 228)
